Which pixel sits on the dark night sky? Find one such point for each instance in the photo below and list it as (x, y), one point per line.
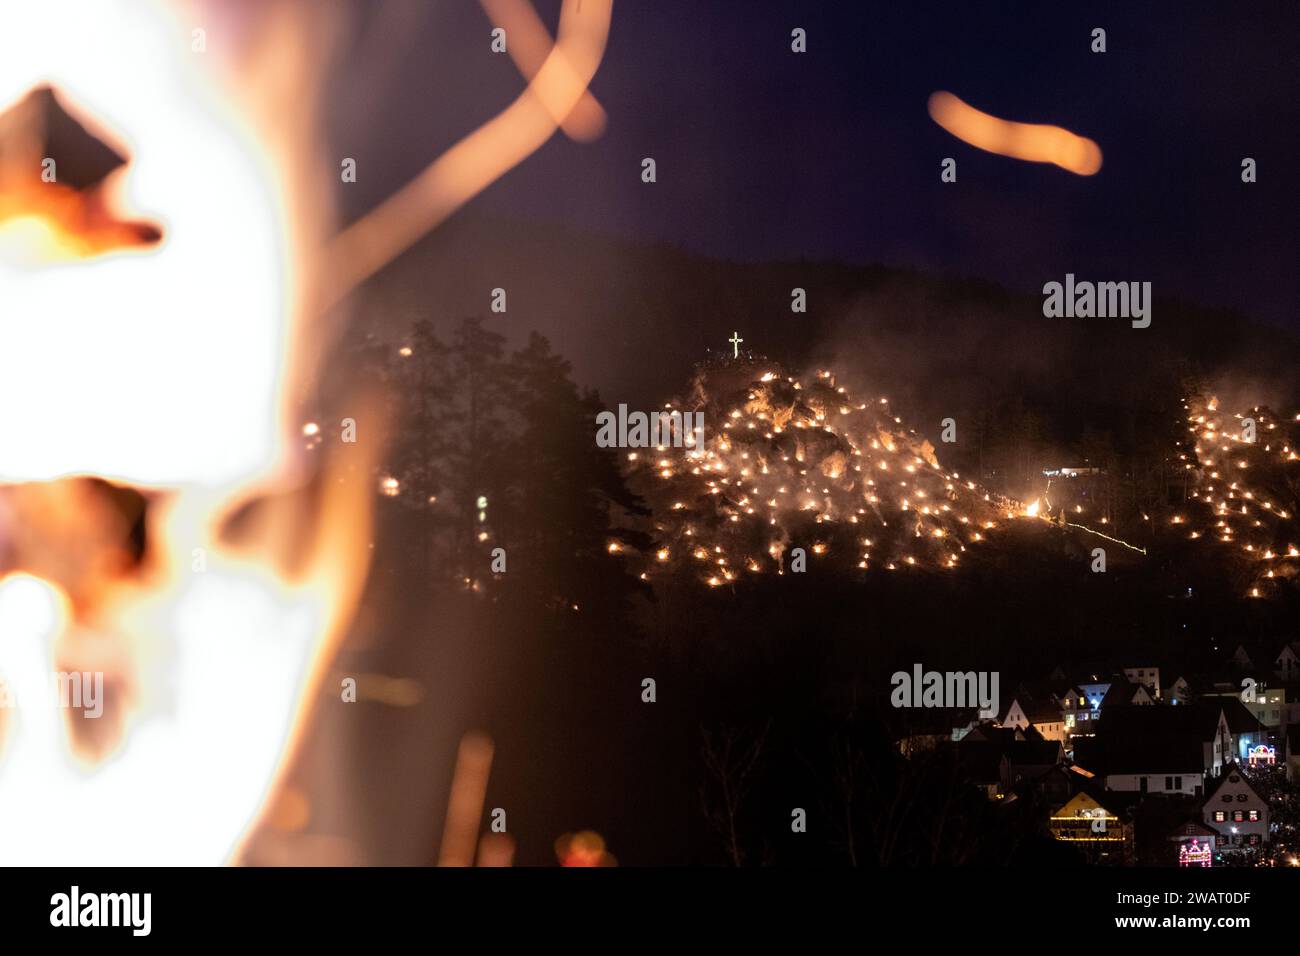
(766, 154)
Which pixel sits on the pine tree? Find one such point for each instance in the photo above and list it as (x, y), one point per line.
(495, 451)
(567, 497)
(473, 430)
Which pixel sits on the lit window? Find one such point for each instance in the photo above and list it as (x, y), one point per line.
(1218, 816)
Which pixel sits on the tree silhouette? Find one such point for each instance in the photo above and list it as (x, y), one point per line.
(494, 450)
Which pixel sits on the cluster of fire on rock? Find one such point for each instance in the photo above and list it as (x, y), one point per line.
(789, 464)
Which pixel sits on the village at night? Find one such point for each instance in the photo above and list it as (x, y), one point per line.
(854, 442)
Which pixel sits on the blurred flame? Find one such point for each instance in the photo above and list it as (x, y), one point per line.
(479, 159)
(586, 848)
(1033, 142)
(164, 368)
(529, 44)
(465, 805)
(154, 336)
(173, 369)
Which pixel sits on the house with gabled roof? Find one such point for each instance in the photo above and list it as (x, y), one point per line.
(1147, 675)
(1235, 809)
(1163, 821)
(1178, 692)
(1094, 681)
(1287, 663)
(1252, 655)
(1076, 710)
(1194, 844)
(1051, 788)
(999, 759)
(1095, 824)
(1030, 757)
(983, 762)
(1124, 693)
(1269, 704)
(1155, 749)
(1292, 752)
(1244, 730)
(917, 729)
(1041, 713)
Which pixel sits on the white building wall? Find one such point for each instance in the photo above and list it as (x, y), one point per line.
(1156, 782)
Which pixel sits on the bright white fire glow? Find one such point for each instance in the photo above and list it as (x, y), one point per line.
(202, 754)
(168, 369)
(161, 368)
(100, 359)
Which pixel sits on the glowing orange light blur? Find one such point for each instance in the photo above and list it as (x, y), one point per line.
(480, 158)
(1033, 142)
(529, 44)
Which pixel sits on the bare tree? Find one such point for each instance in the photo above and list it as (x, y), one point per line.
(847, 762)
(731, 759)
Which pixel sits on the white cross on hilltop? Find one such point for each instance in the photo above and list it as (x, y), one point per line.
(735, 341)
